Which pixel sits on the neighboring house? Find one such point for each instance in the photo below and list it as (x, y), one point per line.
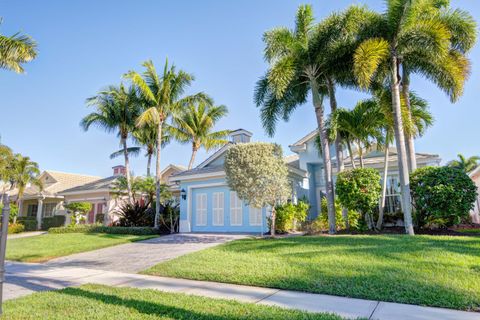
(166, 178)
(475, 213)
(208, 205)
(62, 188)
(311, 161)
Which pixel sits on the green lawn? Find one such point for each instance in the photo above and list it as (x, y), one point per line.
(107, 303)
(45, 247)
(425, 270)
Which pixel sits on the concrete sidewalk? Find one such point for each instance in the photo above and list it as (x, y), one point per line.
(26, 234)
(22, 279)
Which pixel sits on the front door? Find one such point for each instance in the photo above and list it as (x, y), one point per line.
(91, 215)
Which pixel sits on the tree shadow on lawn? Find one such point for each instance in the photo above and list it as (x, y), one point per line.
(166, 307)
(373, 244)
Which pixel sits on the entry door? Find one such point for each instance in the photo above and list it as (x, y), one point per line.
(91, 214)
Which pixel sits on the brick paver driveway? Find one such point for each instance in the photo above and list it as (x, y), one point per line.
(138, 256)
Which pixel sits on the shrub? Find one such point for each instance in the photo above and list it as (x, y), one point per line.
(135, 215)
(79, 210)
(30, 223)
(51, 222)
(15, 228)
(100, 218)
(289, 214)
(321, 223)
(96, 228)
(13, 211)
(359, 190)
(442, 196)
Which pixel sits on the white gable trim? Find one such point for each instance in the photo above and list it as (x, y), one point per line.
(214, 156)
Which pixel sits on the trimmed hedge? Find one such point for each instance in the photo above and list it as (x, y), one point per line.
(15, 228)
(96, 228)
(52, 222)
(30, 223)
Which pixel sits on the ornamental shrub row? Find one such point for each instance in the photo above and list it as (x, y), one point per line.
(15, 228)
(97, 228)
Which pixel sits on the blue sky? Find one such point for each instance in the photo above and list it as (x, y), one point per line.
(86, 45)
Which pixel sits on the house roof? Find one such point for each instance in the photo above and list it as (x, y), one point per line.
(305, 139)
(215, 155)
(100, 184)
(198, 170)
(475, 172)
(393, 157)
(55, 182)
(176, 167)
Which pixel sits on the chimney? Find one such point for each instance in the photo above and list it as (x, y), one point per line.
(119, 170)
(240, 136)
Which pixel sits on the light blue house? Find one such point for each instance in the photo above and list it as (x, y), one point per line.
(208, 205)
(310, 161)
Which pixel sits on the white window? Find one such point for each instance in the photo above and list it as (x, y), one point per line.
(218, 209)
(49, 209)
(236, 216)
(255, 216)
(201, 209)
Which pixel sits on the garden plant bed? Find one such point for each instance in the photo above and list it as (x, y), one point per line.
(104, 302)
(45, 247)
(440, 271)
(464, 231)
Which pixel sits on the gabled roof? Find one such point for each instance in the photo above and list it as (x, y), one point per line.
(305, 139)
(176, 167)
(217, 154)
(55, 182)
(104, 184)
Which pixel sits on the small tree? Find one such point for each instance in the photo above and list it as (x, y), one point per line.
(443, 196)
(359, 189)
(257, 172)
(79, 210)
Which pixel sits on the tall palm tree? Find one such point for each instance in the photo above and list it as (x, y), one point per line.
(117, 109)
(164, 95)
(146, 136)
(448, 72)
(195, 126)
(24, 171)
(417, 122)
(294, 73)
(465, 164)
(16, 50)
(405, 31)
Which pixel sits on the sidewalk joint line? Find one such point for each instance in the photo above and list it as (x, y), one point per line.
(374, 309)
(268, 296)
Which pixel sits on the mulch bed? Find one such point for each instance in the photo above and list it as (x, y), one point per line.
(435, 232)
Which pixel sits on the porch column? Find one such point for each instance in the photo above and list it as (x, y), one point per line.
(39, 213)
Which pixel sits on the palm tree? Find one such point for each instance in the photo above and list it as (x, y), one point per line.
(405, 31)
(164, 96)
(448, 72)
(16, 50)
(117, 109)
(195, 126)
(24, 172)
(361, 125)
(146, 136)
(294, 73)
(417, 123)
(465, 164)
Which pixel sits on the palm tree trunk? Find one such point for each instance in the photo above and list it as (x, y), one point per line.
(192, 158)
(327, 163)
(338, 144)
(127, 170)
(158, 175)
(349, 146)
(401, 151)
(410, 145)
(360, 154)
(381, 208)
(272, 224)
(149, 163)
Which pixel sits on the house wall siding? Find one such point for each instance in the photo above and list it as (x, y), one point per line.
(196, 191)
